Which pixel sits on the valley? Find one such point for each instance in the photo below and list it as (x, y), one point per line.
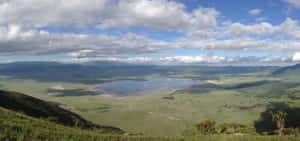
(226, 94)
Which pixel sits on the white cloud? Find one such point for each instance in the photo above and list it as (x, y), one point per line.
(196, 60)
(275, 59)
(239, 37)
(42, 13)
(13, 31)
(17, 41)
(296, 56)
(159, 15)
(255, 11)
(154, 14)
(134, 60)
(295, 3)
(192, 59)
(291, 27)
(19, 20)
(240, 45)
(81, 53)
(262, 29)
(6, 61)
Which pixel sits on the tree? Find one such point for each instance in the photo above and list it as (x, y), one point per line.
(279, 118)
(78, 123)
(206, 126)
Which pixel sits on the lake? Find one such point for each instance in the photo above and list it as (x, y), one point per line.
(149, 86)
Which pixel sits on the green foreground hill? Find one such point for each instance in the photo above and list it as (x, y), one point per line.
(48, 111)
(16, 126)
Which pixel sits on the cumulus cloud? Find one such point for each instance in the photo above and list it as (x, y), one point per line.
(193, 59)
(134, 60)
(42, 13)
(159, 15)
(232, 60)
(197, 60)
(262, 29)
(240, 45)
(16, 41)
(295, 3)
(81, 53)
(296, 56)
(24, 24)
(291, 27)
(255, 11)
(6, 61)
(288, 27)
(276, 59)
(240, 37)
(156, 14)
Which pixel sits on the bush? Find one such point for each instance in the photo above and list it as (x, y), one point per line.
(52, 119)
(206, 126)
(231, 128)
(289, 131)
(78, 124)
(265, 133)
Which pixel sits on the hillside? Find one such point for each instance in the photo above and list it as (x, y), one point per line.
(288, 72)
(16, 126)
(45, 110)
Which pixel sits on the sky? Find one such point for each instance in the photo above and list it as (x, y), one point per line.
(164, 32)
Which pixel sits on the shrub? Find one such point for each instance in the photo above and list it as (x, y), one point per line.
(78, 124)
(231, 128)
(206, 126)
(289, 131)
(52, 119)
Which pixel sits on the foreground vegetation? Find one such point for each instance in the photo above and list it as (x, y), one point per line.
(19, 127)
(16, 125)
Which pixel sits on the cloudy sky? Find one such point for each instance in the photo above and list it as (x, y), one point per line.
(215, 32)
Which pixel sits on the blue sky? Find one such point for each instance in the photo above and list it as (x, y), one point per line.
(226, 32)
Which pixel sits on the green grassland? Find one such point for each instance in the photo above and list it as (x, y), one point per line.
(155, 114)
(19, 127)
(233, 96)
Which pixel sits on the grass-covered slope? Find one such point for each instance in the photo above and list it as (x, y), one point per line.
(46, 110)
(16, 126)
(290, 72)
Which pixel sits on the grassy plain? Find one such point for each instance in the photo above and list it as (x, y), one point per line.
(153, 114)
(235, 97)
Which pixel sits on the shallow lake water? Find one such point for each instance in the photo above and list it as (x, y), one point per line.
(149, 86)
